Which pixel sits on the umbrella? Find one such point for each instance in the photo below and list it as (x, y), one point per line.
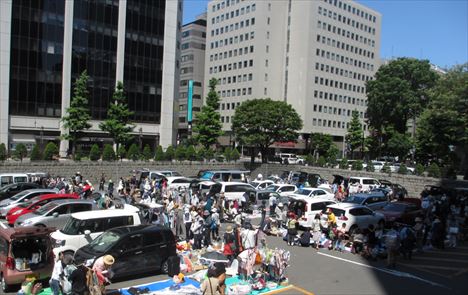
(210, 257)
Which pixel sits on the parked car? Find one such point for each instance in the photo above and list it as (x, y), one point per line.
(224, 175)
(355, 216)
(232, 190)
(287, 158)
(12, 189)
(261, 184)
(83, 227)
(255, 200)
(158, 174)
(178, 182)
(307, 208)
(374, 200)
(21, 197)
(56, 213)
(282, 189)
(147, 246)
(311, 192)
(24, 252)
(202, 186)
(401, 212)
(34, 204)
(9, 178)
(362, 184)
(395, 190)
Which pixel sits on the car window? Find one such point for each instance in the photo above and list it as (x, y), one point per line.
(320, 192)
(289, 189)
(368, 181)
(119, 221)
(6, 180)
(80, 207)
(318, 206)
(366, 211)
(60, 210)
(236, 176)
(21, 179)
(153, 239)
(132, 242)
(355, 212)
(263, 196)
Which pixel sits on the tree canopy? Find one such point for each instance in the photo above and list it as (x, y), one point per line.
(207, 126)
(261, 122)
(354, 137)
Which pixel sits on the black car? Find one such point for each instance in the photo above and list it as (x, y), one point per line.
(397, 190)
(136, 249)
(12, 189)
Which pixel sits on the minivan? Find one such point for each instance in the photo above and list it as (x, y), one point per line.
(307, 208)
(224, 175)
(24, 252)
(9, 178)
(56, 213)
(232, 190)
(136, 249)
(365, 183)
(83, 227)
(374, 200)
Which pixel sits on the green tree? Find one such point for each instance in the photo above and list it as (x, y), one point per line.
(370, 167)
(310, 160)
(207, 127)
(357, 165)
(147, 154)
(386, 168)
(443, 125)
(209, 154)
(227, 154)
(321, 162)
(235, 155)
(344, 164)
(433, 170)
(95, 153)
(398, 144)
(35, 153)
(3, 152)
(402, 169)
(332, 154)
(320, 143)
(159, 155)
(398, 93)
(77, 115)
(180, 153)
(354, 137)
(133, 152)
(191, 153)
(419, 169)
(108, 153)
(20, 152)
(261, 122)
(50, 151)
(169, 154)
(117, 123)
(121, 152)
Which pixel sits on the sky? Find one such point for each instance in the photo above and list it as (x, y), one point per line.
(436, 30)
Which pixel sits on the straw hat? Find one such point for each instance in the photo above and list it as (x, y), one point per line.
(108, 259)
(229, 229)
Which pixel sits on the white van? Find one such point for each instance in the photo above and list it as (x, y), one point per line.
(365, 183)
(232, 190)
(9, 178)
(84, 227)
(307, 208)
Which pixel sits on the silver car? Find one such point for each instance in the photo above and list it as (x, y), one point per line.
(24, 196)
(55, 214)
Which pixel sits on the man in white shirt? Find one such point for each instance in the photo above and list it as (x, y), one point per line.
(248, 236)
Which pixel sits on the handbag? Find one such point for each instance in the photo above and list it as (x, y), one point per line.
(453, 230)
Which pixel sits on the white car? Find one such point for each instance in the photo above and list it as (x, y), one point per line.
(177, 182)
(22, 197)
(232, 190)
(355, 216)
(362, 184)
(261, 184)
(283, 190)
(307, 208)
(311, 192)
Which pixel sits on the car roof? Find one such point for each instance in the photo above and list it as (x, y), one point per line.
(368, 195)
(141, 228)
(310, 200)
(346, 206)
(72, 201)
(232, 183)
(14, 174)
(104, 213)
(356, 177)
(39, 190)
(56, 196)
(10, 232)
(169, 178)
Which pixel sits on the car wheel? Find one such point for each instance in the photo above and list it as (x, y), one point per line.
(165, 267)
(5, 286)
(352, 229)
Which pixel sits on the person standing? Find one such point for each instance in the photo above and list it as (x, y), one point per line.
(292, 229)
(188, 224)
(215, 223)
(272, 203)
(110, 189)
(419, 232)
(197, 228)
(57, 274)
(102, 182)
(178, 220)
(316, 231)
(229, 240)
(392, 243)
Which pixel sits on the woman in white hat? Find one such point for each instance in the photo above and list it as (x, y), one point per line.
(102, 267)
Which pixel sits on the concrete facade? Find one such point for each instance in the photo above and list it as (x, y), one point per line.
(5, 41)
(315, 55)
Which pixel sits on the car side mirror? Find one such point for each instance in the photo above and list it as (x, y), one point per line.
(87, 232)
(55, 215)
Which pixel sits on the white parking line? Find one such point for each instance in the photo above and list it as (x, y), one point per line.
(389, 271)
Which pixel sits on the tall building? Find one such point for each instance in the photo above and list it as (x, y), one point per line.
(192, 67)
(46, 44)
(314, 55)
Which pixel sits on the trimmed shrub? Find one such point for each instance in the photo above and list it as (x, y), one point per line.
(227, 154)
(433, 171)
(95, 153)
(357, 166)
(321, 162)
(310, 159)
(180, 153)
(370, 167)
(108, 153)
(235, 155)
(133, 152)
(78, 154)
(20, 152)
(344, 164)
(169, 154)
(209, 154)
(419, 169)
(191, 153)
(3, 152)
(386, 168)
(122, 152)
(403, 169)
(159, 154)
(147, 154)
(35, 153)
(51, 150)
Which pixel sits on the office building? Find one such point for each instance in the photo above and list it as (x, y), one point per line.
(46, 44)
(192, 67)
(314, 55)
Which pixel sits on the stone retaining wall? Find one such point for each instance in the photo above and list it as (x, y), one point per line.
(113, 170)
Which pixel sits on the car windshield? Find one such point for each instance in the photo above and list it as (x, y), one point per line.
(254, 183)
(46, 208)
(72, 226)
(394, 207)
(19, 195)
(207, 175)
(354, 200)
(304, 192)
(104, 242)
(272, 188)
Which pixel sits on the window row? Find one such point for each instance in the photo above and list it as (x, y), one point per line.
(197, 33)
(228, 93)
(332, 124)
(335, 111)
(352, 9)
(344, 59)
(232, 40)
(225, 119)
(341, 72)
(227, 106)
(235, 79)
(233, 27)
(339, 85)
(340, 98)
(232, 14)
(341, 45)
(185, 83)
(231, 53)
(345, 33)
(231, 66)
(346, 20)
(183, 95)
(195, 45)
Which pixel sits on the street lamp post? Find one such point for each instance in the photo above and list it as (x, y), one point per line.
(140, 137)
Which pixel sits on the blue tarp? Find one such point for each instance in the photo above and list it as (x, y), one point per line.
(158, 286)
